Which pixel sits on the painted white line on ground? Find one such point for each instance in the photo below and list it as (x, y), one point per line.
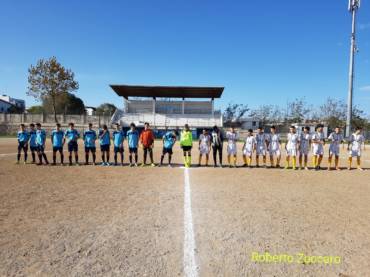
(190, 267)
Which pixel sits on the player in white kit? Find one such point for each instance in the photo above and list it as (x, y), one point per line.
(232, 138)
(291, 147)
(336, 139)
(204, 146)
(354, 147)
(248, 148)
(304, 147)
(274, 147)
(261, 146)
(318, 142)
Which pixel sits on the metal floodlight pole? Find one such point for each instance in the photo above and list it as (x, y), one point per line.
(353, 6)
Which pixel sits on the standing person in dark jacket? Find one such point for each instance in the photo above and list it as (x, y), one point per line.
(217, 145)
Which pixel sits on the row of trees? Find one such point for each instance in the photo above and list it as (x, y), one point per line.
(333, 112)
(53, 86)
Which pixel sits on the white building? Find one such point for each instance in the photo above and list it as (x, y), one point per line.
(19, 103)
(168, 107)
(90, 110)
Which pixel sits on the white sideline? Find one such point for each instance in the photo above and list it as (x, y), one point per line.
(190, 267)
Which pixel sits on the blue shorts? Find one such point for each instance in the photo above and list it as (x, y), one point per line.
(33, 148)
(118, 149)
(22, 145)
(90, 148)
(132, 150)
(57, 148)
(40, 148)
(72, 146)
(104, 147)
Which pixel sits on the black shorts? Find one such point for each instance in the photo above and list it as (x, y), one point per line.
(104, 147)
(33, 148)
(90, 148)
(40, 148)
(57, 148)
(22, 146)
(186, 148)
(118, 149)
(132, 150)
(72, 146)
(167, 150)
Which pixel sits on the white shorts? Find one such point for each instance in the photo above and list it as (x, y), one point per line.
(204, 149)
(334, 150)
(304, 151)
(261, 151)
(274, 152)
(231, 149)
(247, 152)
(317, 149)
(355, 153)
(291, 152)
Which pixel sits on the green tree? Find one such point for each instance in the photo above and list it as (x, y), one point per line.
(38, 109)
(106, 109)
(49, 79)
(66, 103)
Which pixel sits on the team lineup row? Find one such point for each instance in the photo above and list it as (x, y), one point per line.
(262, 144)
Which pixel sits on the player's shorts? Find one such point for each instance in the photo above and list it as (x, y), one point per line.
(40, 148)
(33, 148)
(275, 152)
(261, 151)
(231, 149)
(355, 153)
(167, 150)
(317, 149)
(334, 150)
(132, 150)
(22, 146)
(72, 146)
(304, 151)
(186, 148)
(204, 149)
(90, 148)
(118, 149)
(104, 147)
(291, 152)
(247, 152)
(57, 148)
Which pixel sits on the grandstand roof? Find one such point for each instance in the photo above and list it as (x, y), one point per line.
(167, 91)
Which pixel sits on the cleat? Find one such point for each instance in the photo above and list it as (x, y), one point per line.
(359, 168)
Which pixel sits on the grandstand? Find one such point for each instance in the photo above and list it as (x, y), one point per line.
(168, 107)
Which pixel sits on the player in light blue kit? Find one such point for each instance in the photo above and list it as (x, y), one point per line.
(23, 137)
(118, 138)
(57, 140)
(169, 140)
(104, 139)
(89, 137)
(32, 142)
(40, 144)
(72, 135)
(133, 141)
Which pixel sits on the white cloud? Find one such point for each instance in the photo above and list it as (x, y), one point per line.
(365, 88)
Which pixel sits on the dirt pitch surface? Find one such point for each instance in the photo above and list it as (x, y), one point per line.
(121, 221)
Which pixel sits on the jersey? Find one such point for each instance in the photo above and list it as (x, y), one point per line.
(169, 140)
(317, 147)
(57, 138)
(33, 138)
(40, 137)
(105, 139)
(89, 137)
(274, 143)
(356, 141)
(231, 142)
(217, 139)
(335, 141)
(250, 143)
(204, 145)
(186, 138)
(304, 143)
(261, 144)
(132, 138)
(23, 136)
(118, 138)
(71, 135)
(292, 144)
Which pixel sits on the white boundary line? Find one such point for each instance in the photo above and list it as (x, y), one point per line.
(190, 267)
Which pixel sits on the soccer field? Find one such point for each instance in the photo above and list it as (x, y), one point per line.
(121, 221)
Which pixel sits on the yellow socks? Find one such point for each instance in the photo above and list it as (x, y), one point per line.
(294, 162)
(245, 159)
(287, 163)
(314, 161)
(329, 160)
(349, 162)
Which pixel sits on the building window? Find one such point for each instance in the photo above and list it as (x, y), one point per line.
(254, 123)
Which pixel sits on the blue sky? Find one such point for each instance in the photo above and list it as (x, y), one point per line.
(263, 52)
